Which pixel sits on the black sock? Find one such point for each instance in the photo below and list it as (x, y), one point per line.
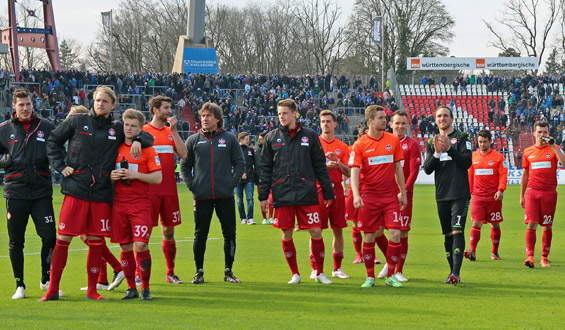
(448, 244)
(458, 248)
(46, 255)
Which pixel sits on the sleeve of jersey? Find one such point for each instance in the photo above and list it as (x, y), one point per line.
(344, 157)
(398, 155)
(525, 161)
(415, 162)
(471, 175)
(153, 161)
(502, 174)
(356, 156)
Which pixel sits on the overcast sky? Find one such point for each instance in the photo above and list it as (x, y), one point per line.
(79, 19)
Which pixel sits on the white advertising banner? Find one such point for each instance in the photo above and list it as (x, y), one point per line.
(514, 177)
(472, 63)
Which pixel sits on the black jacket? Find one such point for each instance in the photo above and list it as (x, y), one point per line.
(24, 159)
(290, 167)
(214, 164)
(91, 152)
(250, 164)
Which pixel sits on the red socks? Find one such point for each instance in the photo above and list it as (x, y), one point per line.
(58, 263)
(357, 240)
(290, 255)
(403, 253)
(495, 237)
(318, 250)
(382, 242)
(103, 274)
(144, 261)
(530, 241)
(93, 266)
(393, 251)
(338, 257)
(312, 262)
(546, 242)
(109, 257)
(170, 252)
(128, 266)
(369, 258)
(475, 238)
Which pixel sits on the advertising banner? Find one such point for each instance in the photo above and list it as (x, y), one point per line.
(378, 30)
(472, 63)
(200, 60)
(514, 177)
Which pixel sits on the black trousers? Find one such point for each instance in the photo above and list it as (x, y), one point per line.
(41, 211)
(203, 210)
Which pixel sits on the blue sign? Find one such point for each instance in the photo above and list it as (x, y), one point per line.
(200, 60)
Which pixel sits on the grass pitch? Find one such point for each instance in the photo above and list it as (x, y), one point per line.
(493, 295)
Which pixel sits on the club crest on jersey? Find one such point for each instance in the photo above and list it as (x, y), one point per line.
(388, 147)
(305, 141)
(40, 134)
(170, 138)
(453, 141)
(404, 146)
(221, 143)
(278, 140)
(338, 152)
(490, 162)
(112, 132)
(12, 136)
(548, 155)
(249, 153)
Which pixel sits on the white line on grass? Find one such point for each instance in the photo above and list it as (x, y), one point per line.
(190, 239)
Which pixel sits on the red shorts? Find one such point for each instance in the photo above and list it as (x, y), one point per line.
(379, 212)
(486, 211)
(336, 212)
(168, 207)
(540, 206)
(82, 217)
(351, 213)
(308, 216)
(131, 222)
(406, 214)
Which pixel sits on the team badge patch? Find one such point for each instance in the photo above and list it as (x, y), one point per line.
(112, 132)
(490, 162)
(453, 141)
(61, 226)
(304, 139)
(40, 134)
(85, 128)
(12, 136)
(404, 146)
(388, 147)
(278, 140)
(170, 138)
(548, 155)
(222, 141)
(338, 152)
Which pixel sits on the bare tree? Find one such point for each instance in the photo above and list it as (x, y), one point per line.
(525, 25)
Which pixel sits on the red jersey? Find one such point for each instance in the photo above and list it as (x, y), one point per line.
(341, 150)
(376, 159)
(147, 162)
(411, 162)
(487, 174)
(542, 163)
(165, 147)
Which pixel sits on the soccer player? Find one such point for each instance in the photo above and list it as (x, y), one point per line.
(27, 186)
(131, 211)
(164, 196)
(377, 157)
(487, 181)
(247, 180)
(93, 141)
(336, 156)
(258, 151)
(411, 168)
(448, 156)
(291, 161)
(538, 194)
(212, 170)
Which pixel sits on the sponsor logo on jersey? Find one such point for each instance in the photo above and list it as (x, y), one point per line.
(167, 149)
(351, 158)
(444, 157)
(112, 132)
(379, 160)
(279, 140)
(484, 171)
(12, 136)
(157, 161)
(468, 144)
(200, 142)
(370, 150)
(388, 147)
(85, 128)
(540, 165)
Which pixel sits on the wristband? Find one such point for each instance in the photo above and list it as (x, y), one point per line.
(437, 155)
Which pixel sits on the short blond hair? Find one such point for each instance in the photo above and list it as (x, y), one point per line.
(107, 90)
(134, 114)
(78, 109)
(372, 110)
